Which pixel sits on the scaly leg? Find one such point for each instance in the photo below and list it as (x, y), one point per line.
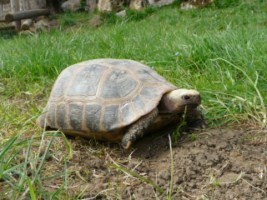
(137, 130)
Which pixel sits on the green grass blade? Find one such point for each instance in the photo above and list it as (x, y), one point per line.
(8, 145)
(32, 190)
(40, 165)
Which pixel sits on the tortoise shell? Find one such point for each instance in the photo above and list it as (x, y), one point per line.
(101, 96)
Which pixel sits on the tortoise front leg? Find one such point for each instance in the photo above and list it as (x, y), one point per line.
(195, 120)
(137, 130)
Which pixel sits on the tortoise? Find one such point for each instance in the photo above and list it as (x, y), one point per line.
(118, 100)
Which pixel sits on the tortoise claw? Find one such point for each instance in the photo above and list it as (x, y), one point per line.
(127, 145)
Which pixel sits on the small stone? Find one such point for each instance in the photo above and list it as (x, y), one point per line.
(214, 158)
(222, 145)
(211, 143)
(136, 4)
(160, 3)
(190, 171)
(165, 175)
(179, 180)
(192, 184)
(121, 13)
(71, 5)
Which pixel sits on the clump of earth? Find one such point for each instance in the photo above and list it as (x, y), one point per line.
(214, 164)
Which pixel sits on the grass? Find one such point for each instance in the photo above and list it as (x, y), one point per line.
(22, 162)
(220, 51)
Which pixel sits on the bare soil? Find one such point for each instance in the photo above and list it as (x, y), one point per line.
(214, 164)
(211, 165)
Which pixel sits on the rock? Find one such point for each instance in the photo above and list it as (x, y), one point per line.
(213, 159)
(121, 13)
(159, 3)
(26, 24)
(211, 143)
(91, 5)
(191, 4)
(137, 4)
(110, 5)
(104, 5)
(187, 6)
(189, 171)
(71, 5)
(192, 184)
(165, 175)
(42, 25)
(222, 145)
(118, 5)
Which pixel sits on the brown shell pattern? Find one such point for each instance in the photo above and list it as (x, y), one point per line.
(103, 95)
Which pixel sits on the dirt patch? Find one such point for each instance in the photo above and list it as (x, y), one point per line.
(217, 164)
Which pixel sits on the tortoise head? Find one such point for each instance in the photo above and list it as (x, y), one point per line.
(177, 101)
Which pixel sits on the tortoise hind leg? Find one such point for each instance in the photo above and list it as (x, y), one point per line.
(137, 130)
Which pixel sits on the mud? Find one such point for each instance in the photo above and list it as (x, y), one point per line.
(215, 164)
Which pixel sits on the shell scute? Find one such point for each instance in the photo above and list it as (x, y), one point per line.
(111, 117)
(61, 84)
(61, 116)
(86, 81)
(150, 93)
(51, 115)
(118, 84)
(126, 112)
(92, 117)
(75, 116)
(138, 103)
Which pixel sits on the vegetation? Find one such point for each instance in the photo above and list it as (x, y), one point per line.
(219, 50)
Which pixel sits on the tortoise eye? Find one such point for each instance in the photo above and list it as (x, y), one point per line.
(186, 97)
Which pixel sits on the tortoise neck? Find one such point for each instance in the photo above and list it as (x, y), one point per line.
(165, 105)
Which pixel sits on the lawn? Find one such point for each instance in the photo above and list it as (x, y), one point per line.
(219, 50)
